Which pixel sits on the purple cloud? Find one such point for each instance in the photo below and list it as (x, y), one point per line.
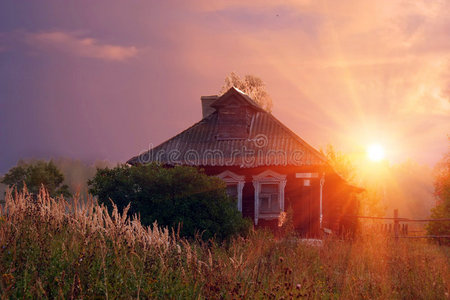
(75, 44)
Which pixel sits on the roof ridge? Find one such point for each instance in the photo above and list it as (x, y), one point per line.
(245, 95)
(240, 93)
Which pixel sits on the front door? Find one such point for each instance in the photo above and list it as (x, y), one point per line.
(303, 209)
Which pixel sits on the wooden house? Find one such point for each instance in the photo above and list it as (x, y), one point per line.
(266, 166)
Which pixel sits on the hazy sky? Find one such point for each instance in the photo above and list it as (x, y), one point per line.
(104, 79)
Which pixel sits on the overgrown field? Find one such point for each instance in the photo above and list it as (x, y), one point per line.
(50, 249)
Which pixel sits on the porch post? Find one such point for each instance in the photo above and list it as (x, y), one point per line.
(322, 182)
(256, 186)
(240, 186)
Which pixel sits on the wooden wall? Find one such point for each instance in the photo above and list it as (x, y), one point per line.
(304, 201)
(338, 199)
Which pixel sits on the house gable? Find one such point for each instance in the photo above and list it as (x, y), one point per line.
(235, 96)
(234, 115)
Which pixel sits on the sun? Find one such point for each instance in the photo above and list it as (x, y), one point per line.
(375, 152)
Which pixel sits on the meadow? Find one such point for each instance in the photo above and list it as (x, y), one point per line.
(53, 248)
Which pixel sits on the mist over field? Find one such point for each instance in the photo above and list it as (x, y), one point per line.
(76, 173)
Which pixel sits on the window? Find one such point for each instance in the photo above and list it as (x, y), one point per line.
(269, 195)
(269, 199)
(232, 190)
(235, 184)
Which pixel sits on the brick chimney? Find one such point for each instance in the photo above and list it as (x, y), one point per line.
(206, 105)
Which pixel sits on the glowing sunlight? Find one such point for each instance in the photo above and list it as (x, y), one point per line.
(375, 152)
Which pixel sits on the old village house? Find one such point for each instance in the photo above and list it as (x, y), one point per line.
(266, 166)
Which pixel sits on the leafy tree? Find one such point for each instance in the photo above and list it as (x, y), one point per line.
(347, 167)
(442, 194)
(252, 86)
(171, 196)
(341, 163)
(36, 174)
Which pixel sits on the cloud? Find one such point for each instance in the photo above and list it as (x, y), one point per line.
(76, 45)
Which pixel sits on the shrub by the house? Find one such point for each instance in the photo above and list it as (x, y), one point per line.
(179, 196)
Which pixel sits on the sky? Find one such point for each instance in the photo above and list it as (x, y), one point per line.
(104, 80)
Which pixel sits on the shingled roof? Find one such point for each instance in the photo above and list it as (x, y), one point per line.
(268, 143)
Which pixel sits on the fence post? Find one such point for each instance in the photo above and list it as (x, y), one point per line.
(396, 223)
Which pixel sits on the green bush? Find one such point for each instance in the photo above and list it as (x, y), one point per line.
(34, 175)
(179, 196)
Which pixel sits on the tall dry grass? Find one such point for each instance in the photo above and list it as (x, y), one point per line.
(50, 248)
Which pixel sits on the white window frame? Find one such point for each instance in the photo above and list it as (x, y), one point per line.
(231, 178)
(268, 177)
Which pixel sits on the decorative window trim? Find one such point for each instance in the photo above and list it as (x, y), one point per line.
(233, 178)
(268, 177)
